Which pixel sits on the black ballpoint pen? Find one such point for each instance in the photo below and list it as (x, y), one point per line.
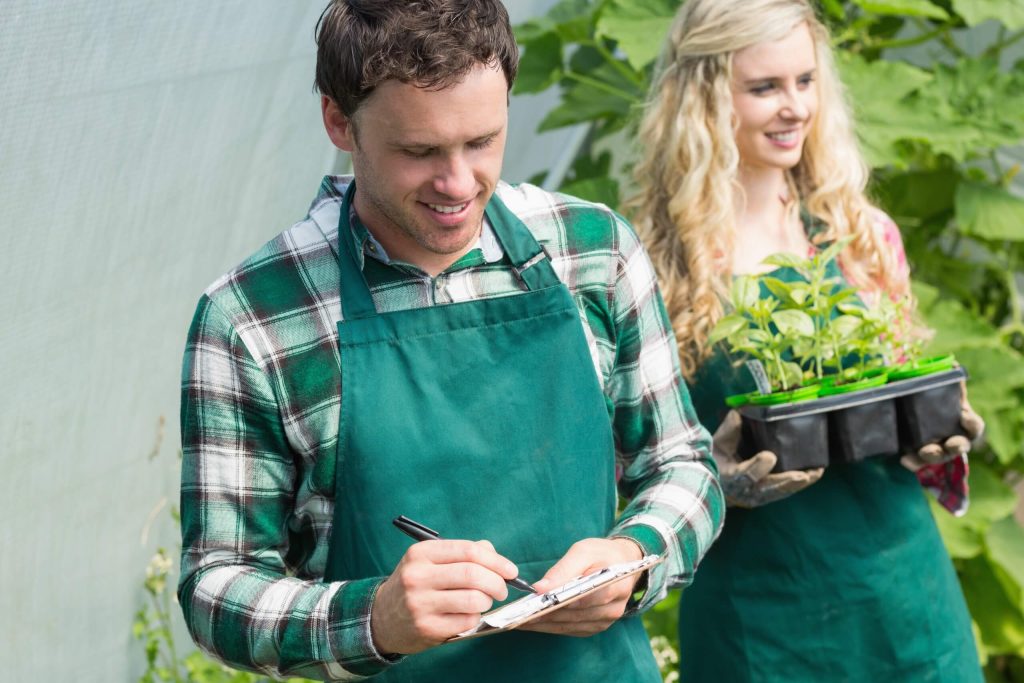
(424, 533)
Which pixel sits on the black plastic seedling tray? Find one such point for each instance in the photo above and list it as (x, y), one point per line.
(898, 417)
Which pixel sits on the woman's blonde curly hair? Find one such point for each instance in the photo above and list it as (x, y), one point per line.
(687, 176)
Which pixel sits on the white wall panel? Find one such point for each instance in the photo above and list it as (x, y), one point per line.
(145, 147)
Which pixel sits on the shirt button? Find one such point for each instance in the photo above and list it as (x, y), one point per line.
(371, 246)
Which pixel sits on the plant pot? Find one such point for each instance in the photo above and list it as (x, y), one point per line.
(866, 429)
(926, 366)
(831, 389)
(898, 417)
(797, 437)
(782, 397)
(932, 412)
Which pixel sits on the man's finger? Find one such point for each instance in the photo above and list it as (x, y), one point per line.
(448, 551)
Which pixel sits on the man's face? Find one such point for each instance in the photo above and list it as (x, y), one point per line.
(426, 163)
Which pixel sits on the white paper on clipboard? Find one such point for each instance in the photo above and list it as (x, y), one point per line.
(530, 607)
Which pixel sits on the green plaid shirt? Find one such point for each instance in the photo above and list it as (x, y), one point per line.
(259, 423)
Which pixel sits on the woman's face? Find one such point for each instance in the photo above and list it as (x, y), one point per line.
(774, 99)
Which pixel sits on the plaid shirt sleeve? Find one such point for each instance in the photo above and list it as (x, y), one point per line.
(241, 603)
(676, 507)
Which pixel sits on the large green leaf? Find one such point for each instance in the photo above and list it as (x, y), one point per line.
(963, 540)
(601, 190)
(1005, 541)
(913, 8)
(638, 27)
(955, 327)
(991, 498)
(570, 19)
(1000, 621)
(990, 212)
(996, 370)
(793, 323)
(541, 64)
(919, 195)
(1010, 12)
(877, 90)
(1003, 427)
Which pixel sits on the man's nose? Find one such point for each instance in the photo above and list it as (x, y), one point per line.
(454, 177)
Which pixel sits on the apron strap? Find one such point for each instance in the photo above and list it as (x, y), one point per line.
(356, 301)
(522, 248)
(530, 262)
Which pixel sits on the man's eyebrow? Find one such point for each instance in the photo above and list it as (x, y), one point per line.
(413, 144)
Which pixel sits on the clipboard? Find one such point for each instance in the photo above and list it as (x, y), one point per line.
(526, 609)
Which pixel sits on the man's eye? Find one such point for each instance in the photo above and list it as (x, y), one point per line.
(481, 144)
(416, 153)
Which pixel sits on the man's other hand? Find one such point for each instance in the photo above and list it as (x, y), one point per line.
(596, 611)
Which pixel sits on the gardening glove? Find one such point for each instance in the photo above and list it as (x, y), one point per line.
(954, 446)
(750, 483)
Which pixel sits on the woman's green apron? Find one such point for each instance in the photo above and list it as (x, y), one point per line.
(847, 580)
(483, 420)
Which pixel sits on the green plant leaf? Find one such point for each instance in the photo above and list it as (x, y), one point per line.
(727, 326)
(991, 497)
(784, 260)
(962, 539)
(1000, 621)
(638, 27)
(1005, 541)
(989, 212)
(846, 325)
(601, 190)
(920, 195)
(1009, 12)
(541, 64)
(912, 8)
(955, 327)
(878, 90)
(1004, 428)
(793, 323)
(745, 293)
(781, 290)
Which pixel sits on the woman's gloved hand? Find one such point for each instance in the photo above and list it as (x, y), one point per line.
(954, 446)
(750, 483)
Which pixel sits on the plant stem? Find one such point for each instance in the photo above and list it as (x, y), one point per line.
(601, 85)
(1002, 43)
(906, 42)
(616, 64)
(164, 614)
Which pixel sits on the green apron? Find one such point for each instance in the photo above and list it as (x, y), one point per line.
(847, 580)
(484, 420)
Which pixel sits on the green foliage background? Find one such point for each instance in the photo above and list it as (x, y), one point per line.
(931, 117)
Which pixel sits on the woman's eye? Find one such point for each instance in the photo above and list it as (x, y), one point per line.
(762, 89)
(806, 80)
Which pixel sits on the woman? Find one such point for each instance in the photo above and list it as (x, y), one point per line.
(834, 575)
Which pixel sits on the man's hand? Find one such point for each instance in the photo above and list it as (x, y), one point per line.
(954, 446)
(596, 611)
(749, 483)
(438, 589)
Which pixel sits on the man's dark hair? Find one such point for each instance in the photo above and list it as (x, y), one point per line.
(429, 43)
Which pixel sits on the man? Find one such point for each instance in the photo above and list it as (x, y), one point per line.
(432, 342)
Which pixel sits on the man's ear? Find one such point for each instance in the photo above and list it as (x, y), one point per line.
(339, 127)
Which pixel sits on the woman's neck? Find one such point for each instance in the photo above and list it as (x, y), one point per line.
(765, 222)
(763, 203)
